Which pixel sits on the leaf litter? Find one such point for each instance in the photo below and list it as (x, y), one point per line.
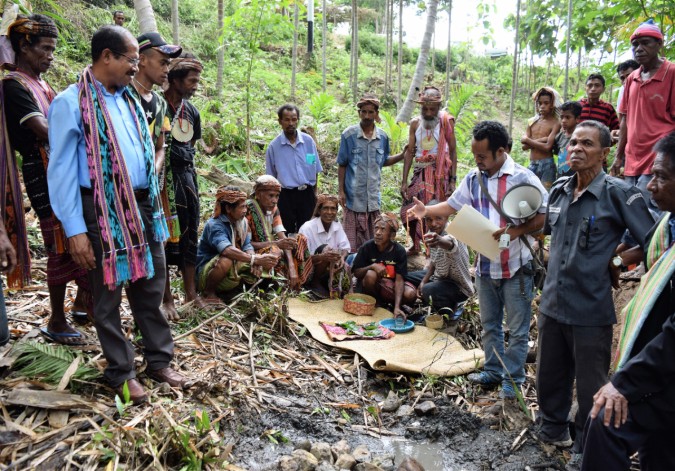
(262, 386)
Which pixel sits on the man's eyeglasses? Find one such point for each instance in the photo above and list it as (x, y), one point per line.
(131, 60)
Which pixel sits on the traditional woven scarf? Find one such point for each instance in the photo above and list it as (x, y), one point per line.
(661, 266)
(126, 253)
(11, 206)
(443, 162)
(261, 225)
(43, 95)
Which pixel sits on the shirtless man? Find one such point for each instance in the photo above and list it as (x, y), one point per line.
(540, 137)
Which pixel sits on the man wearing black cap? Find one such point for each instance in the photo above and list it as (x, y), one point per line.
(153, 69)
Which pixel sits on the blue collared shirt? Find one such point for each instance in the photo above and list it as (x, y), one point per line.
(217, 236)
(68, 169)
(293, 165)
(364, 160)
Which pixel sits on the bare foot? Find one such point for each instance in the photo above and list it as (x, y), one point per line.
(170, 312)
(204, 302)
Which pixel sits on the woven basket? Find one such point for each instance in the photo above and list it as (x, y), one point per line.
(434, 321)
(359, 304)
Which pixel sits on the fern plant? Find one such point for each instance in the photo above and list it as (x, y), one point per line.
(49, 362)
(397, 132)
(321, 106)
(464, 103)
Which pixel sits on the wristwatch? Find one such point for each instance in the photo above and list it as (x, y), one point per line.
(617, 262)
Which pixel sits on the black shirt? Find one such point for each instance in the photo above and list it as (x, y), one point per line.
(20, 106)
(183, 153)
(395, 256)
(584, 236)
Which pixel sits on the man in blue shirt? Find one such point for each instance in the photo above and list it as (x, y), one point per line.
(225, 256)
(112, 219)
(292, 158)
(364, 149)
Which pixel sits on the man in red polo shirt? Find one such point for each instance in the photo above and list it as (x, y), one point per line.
(592, 107)
(647, 107)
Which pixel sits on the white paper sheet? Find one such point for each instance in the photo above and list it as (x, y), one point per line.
(475, 230)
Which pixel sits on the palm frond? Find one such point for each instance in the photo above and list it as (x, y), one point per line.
(49, 362)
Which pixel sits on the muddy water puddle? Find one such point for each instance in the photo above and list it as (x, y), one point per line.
(432, 456)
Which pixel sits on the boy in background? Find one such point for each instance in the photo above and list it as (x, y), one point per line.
(540, 135)
(570, 112)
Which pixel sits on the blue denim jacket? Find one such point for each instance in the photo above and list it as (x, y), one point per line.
(364, 160)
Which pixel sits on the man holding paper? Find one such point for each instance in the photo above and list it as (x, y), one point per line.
(505, 283)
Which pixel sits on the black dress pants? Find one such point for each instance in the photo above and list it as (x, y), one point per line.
(145, 297)
(565, 353)
(296, 207)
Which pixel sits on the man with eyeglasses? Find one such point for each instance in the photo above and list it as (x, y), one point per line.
(587, 215)
(104, 189)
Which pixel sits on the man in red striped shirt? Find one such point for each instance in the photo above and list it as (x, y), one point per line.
(593, 107)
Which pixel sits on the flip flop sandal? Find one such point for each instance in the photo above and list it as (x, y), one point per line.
(62, 337)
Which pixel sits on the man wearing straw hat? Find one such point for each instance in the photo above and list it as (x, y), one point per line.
(431, 142)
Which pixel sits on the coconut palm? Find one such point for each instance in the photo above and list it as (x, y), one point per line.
(420, 68)
(146, 16)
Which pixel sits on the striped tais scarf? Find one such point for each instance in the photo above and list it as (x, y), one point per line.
(661, 266)
(11, 206)
(126, 253)
(43, 95)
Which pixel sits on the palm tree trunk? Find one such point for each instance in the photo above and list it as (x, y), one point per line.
(355, 50)
(146, 16)
(448, 56)
(175, 17)
(515, 68)
(567, 52)
(221, 51)
(295, 50)
(420, 68)
(324, 29)
(400, 54)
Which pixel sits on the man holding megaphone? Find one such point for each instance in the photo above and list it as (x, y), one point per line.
(587, 215)
(507, 282)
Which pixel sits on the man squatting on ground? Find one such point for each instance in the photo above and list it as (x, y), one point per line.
(506, 283)
(225, 256)
(446, 280)
(268, 234)
(381, 265)
(587, 215)
(107, 198)
(635, 410)
(329, 247)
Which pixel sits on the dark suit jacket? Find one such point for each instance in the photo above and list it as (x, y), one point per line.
(648, 378)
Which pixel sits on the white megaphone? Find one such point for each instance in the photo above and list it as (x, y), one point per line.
(522, 201)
